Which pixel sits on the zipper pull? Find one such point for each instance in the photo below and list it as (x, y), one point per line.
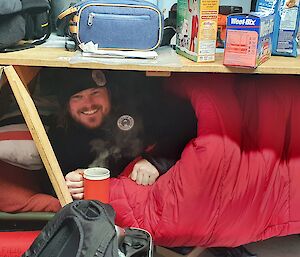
(90, 19)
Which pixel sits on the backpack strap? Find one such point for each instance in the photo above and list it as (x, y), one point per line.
(65, 16)
(43, 39)
(62, 23)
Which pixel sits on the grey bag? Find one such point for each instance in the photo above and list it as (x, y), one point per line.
(12, 27)
(26, 19)
(11, 6)
(87, 229)
(12, 30)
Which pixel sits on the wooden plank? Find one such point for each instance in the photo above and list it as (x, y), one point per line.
(158, 73)
(39, 135)
(59, 57)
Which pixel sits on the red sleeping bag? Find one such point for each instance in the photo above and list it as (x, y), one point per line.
(238, 181)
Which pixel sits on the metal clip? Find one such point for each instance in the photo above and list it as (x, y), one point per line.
(90, 19)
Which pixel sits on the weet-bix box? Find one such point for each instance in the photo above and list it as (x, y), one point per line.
(286, 24)
(248, 39)
(197, 24)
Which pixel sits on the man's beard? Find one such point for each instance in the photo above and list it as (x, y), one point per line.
(84, 127)
(78, 121)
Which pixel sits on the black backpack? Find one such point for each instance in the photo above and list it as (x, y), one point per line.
(87, 229)
(27, 20)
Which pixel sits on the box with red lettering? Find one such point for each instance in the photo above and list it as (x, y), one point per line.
(248, 39)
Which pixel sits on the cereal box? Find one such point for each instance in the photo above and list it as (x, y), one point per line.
(298, 36)
(286, 24)
(248, 39)
(197, 23)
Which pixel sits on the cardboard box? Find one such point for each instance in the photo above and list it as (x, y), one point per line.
(197, 23)
(286, 23)
(248, 39)
(298, 36)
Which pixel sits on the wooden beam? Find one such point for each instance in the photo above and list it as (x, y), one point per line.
(158, 73)
(39, 135)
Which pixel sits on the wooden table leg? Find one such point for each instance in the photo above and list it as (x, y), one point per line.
(39, 135)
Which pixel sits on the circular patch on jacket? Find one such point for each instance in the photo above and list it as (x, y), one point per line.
(125, 122)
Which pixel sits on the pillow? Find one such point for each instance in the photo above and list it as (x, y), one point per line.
(22, 191)
(16, 144)
(18, 148)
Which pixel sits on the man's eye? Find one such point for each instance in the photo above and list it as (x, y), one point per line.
(96, 93)
(76, 97)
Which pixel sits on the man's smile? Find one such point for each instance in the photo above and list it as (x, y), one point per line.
(91, 112)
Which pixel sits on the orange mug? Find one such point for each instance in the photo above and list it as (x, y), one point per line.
(96, 184)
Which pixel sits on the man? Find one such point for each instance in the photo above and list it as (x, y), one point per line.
(110, 119)
(86, 116)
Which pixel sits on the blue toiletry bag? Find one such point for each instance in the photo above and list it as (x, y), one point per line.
(115, 24)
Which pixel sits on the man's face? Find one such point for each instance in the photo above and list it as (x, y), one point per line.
(89, 107)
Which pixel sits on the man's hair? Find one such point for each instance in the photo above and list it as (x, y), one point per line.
(64, 119)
